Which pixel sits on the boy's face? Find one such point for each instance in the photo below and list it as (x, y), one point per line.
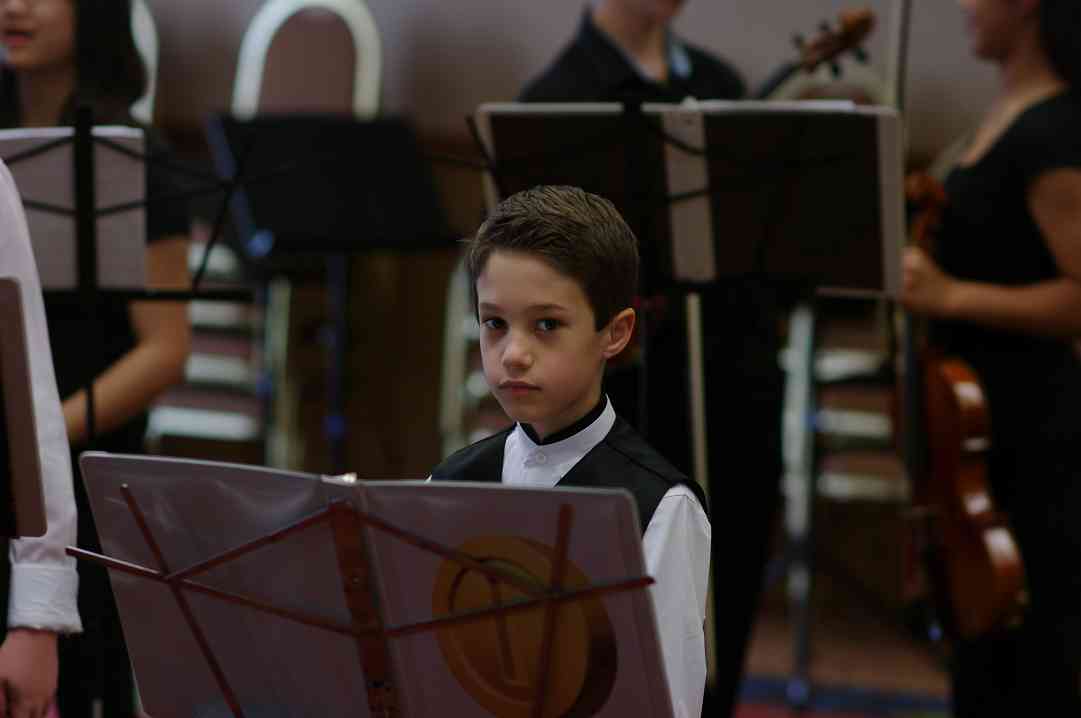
(543, 357)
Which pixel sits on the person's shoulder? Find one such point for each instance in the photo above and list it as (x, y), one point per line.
(456, 464)
(1046, 135)
(568, 78)
(1055, 118)
(629, 443)
(647, 463)
(717, 72)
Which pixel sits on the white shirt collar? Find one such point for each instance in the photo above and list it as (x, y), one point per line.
(679, 60)
(527, 463)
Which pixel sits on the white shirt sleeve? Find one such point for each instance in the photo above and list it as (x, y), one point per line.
(676, 545)
(43, 579)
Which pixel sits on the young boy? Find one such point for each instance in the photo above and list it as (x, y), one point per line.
(554, 271)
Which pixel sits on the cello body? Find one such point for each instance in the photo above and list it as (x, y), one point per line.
(984, 577)
(970, 554)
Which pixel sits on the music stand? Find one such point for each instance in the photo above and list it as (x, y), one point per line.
(321, 188)
(281, 594)
(119, 215)
(37, 157)
(326, 184)
(810, 192)
(22, 499)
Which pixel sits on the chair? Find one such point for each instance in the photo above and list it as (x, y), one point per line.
(263, 82)
(277, 72)
(146, 41)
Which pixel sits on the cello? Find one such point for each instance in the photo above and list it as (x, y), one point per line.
(970, 557)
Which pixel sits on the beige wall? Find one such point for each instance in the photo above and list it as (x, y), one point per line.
(443, 57)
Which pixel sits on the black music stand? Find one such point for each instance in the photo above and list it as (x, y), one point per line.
(807, 194)
(319, 189)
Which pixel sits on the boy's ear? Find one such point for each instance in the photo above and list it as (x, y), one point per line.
(618, 333)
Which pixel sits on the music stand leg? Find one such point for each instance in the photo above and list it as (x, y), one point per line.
(696, 398)
(338, 299)
(800, 490)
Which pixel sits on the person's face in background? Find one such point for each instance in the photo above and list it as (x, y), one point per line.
(997, 27)
(37, 34)
(660, 12)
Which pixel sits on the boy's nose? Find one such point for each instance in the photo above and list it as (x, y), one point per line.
(517, 354)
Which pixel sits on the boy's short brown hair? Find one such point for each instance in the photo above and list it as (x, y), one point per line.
(579, 234)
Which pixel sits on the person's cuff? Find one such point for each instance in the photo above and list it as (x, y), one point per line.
(43, 597)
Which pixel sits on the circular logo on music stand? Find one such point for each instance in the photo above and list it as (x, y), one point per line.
(497, 659)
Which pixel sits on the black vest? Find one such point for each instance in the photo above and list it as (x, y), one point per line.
(622, 460)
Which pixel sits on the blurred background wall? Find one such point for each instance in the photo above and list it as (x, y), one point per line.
(443, 57)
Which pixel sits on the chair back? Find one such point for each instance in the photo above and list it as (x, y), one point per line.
(292, 55)
(145, 32)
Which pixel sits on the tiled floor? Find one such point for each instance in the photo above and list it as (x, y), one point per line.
(862, 659)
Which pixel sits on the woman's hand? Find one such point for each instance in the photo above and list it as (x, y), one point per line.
(925, 288)
(28, 670)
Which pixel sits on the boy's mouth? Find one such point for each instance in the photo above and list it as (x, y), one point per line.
(518, 387)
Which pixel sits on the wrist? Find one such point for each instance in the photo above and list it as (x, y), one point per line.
(31, 641)
(39, 634)
(954, 299)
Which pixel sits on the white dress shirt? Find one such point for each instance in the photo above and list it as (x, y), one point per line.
(43, 578)
(676, 547)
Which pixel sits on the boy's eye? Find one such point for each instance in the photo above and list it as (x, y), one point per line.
(492, 323)
(548, 325)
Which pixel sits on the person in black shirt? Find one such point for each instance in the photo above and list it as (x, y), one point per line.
(596, 67)
(1005, 294)
(625, 52)
(60, 52)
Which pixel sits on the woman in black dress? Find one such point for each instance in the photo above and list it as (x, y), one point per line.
(60, 52)
(1006, 296)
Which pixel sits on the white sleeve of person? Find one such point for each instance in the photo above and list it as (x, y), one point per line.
(676, 545)
(43, 577)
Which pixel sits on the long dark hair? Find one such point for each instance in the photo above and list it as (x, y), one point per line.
(1060, 29)
(110, 70)
(110, 75)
